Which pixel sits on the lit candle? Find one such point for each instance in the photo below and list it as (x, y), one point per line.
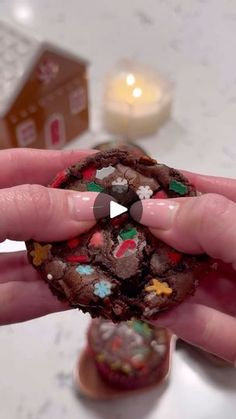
(136, 102)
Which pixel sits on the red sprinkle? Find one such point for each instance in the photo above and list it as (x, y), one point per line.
(89, 172)
(116, 343)
(72, 243)
(175, 257)
(139, 365)
(60, 178)
(160, 195)
(77, 258)
(125, 245)
(117, 221)
(97, 239)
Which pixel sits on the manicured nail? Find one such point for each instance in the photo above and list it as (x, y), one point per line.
(81, 205)
(89, 206)
(156, 213)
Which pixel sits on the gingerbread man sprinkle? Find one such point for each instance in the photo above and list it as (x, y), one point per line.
(159, 287)
(40, 253)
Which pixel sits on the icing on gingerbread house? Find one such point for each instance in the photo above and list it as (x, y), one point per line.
(43, 92)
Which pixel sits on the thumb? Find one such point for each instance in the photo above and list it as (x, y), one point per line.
(193, 225)
(45, 214)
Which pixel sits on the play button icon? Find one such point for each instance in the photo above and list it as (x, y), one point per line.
(116, 209)
(115, 201)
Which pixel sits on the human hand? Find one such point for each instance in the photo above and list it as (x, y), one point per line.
(195, 225)
(29, 210)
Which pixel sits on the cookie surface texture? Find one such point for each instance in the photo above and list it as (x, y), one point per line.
(118, 269)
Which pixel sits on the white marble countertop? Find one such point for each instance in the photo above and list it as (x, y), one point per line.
(192, 42)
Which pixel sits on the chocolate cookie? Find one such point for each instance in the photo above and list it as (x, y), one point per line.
(120, 144)
(129, 355)
(118, 270)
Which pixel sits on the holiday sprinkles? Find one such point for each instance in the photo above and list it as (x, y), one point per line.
(84, 269)
(117, 269)
(40, 253)
(102, 288)
(160, 288)
(129, 354)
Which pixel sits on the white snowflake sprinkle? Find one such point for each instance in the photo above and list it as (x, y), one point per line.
(160, 348)
(49, 277)
(144, 192)
(107, 329)
(120, 185)
(120, 181)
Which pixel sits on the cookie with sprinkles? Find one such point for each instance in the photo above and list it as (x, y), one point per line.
(118, 270)
(129, 355)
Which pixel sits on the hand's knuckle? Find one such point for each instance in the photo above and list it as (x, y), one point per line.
(210, 208)
(34, 200)
(37, 194)
(41, 200)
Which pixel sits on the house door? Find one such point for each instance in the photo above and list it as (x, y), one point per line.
(55, 132)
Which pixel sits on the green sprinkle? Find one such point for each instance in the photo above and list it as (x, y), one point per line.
(178, 187)
(94, 187)
(142, 328)
(128, 234)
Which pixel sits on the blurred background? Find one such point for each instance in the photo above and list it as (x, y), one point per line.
(190, 45)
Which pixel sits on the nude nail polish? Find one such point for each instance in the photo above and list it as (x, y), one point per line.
(156, 213)
(81, 205)
(89, 206)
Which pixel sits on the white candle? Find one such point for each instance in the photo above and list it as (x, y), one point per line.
(136, 102)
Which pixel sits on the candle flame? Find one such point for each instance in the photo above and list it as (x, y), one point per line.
(130, 79)
(137, 92)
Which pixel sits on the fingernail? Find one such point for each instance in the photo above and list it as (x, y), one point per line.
(156, 213)
(89, 206)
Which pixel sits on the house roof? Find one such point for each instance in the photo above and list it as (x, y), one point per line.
(18, 53)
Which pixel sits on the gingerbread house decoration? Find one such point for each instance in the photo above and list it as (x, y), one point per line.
(43, 92)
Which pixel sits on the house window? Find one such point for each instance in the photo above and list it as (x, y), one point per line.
(78, 100)
(26, 133)
(55, 131)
